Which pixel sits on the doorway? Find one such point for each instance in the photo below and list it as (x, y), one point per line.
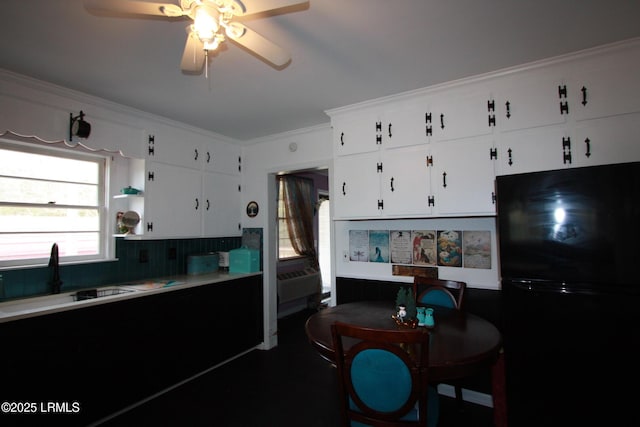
(293, 270)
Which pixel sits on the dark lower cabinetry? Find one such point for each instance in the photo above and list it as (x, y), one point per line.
(112, 355)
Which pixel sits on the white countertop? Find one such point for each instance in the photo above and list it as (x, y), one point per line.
(46, 304)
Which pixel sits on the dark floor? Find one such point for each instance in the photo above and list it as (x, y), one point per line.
(289, 385)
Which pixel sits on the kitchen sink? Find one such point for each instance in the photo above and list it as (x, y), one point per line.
(99, 293)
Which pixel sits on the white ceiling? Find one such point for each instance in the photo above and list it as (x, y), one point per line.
(343, 52)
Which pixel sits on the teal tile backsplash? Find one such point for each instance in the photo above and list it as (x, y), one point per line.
(136, 260)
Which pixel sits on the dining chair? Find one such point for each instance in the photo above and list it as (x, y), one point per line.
(382, 377)
(444, 293)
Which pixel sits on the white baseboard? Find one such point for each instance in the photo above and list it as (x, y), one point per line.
(470, 396)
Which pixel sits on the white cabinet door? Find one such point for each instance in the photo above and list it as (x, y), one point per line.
(531, 99)
(532, 150)
(405, 125)
(606, 86)
(463, 176)
(173, 201)
(221, 210)
(460, 113)
(356, 183)
(608, 140)
(222, 157)
(406, 184)
(361, 133)
(176, 147)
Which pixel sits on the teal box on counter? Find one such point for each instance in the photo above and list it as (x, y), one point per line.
(244, 260)
(202, 263)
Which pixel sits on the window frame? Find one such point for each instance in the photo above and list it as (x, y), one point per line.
(60, 149)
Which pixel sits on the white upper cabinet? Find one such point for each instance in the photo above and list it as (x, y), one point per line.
(359, 133)
(606, 141)
(532, 150)
(357, 186)
(177, 147)
(173, 202)
(406, 182)
(463, 175)
(606, 86)
(222, 157)
(404, 125)
(221, 205)
(460, 113)
(531, 99)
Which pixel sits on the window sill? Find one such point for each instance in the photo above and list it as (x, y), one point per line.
(28, 266)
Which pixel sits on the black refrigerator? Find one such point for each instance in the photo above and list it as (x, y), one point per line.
(569, 245)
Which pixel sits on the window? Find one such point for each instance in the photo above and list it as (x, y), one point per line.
(285, 247)
(50, 196)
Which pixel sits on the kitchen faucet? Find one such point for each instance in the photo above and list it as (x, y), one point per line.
(54, 266)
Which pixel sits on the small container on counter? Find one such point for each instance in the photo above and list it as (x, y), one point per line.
(202, 263)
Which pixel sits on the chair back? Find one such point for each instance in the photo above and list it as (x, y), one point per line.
(383, 376)
(445, 293)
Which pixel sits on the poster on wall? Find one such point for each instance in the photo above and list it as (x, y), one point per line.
(476, 249)
(400, 247)
(358, 245)
(378, 246)
(450, 248)
(424, 247)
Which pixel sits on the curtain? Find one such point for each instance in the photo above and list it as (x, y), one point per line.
(299, 205)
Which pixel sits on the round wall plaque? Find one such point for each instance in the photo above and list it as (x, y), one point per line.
(252, 209)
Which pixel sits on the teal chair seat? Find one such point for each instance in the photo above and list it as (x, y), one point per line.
(383, 381)
(380, 380)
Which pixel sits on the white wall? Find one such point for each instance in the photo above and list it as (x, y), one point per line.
(262, 161)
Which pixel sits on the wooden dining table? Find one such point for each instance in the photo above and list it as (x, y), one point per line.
(461, 343)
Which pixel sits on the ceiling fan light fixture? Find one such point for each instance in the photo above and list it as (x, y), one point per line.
(234, 30)
(213, 44)
(205, 25)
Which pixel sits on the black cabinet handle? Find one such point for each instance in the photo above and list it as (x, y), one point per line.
(389, 130)
(510, 157)
(195, 157)
(342, 138)
(584, 95)
(508, 107)
(208, 204)
(444, 179)
(441, 121)
(588, 142)
(392, 189)
(208, 157)
(197, 203)
(344, 184)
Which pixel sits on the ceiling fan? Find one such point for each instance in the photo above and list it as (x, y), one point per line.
(213, 22)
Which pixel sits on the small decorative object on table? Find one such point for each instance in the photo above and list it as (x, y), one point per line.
(429, 321)
(406, 304)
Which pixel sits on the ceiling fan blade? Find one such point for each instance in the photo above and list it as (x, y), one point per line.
(262, 47)
(193, 56)
(126, 7)
(249, 7)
